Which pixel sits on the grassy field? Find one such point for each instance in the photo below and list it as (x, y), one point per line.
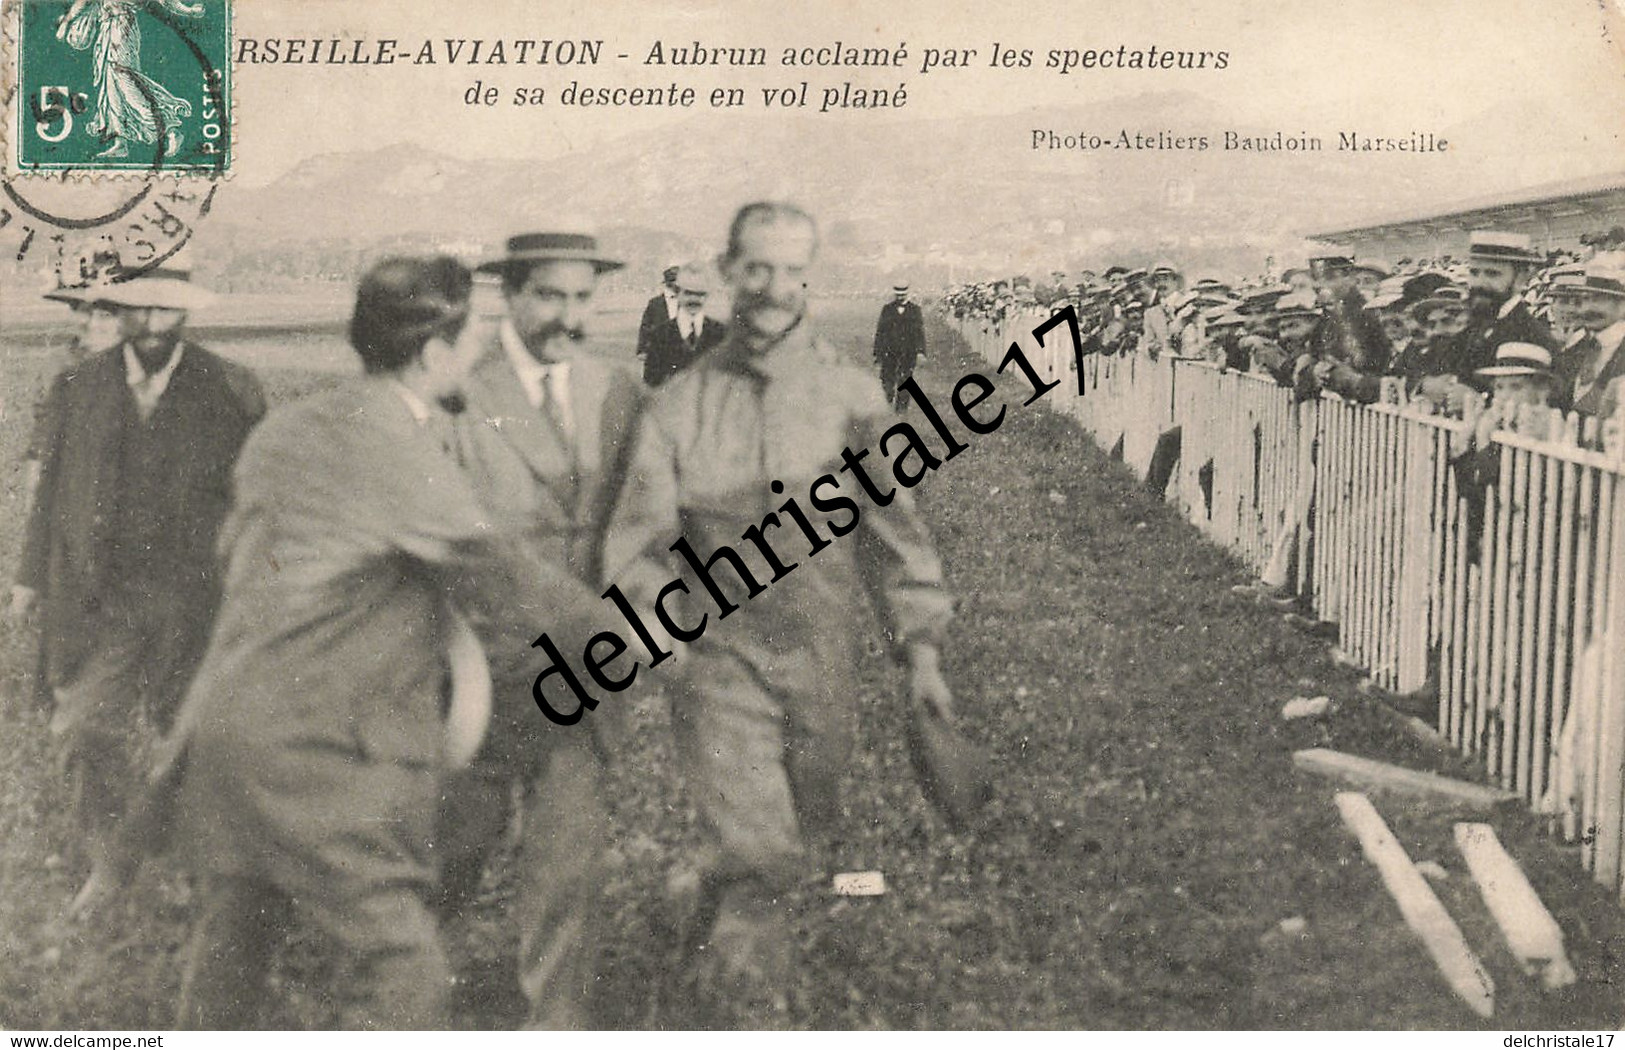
(1148, 838)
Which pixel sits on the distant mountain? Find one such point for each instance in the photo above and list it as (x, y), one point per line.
(964, 193)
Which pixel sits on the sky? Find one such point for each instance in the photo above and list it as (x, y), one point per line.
(1292, 63)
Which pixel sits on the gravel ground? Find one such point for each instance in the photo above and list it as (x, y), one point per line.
(1148, 838)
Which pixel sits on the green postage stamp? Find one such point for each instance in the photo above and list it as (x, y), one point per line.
(122, 85)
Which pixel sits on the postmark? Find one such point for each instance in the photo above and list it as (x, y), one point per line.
(95, 185)
(136, 86)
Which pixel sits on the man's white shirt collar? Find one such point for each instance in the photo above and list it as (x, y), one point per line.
(533, 374)
(671, 302)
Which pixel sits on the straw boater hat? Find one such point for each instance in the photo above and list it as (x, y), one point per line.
(1331, 260)
(161, 288)
(1391, 292)
(1376, 266)
(1446, 296)
(524, 249)
(1519, 359)
(1502, 246)
(1599, 282)
(1297, 306)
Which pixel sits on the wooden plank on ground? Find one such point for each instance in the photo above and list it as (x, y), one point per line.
(1422, 911)
(1372, 775)
(1533, 935)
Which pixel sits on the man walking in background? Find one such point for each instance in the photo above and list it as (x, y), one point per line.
(658, 310)
(675, 344)
(899, 341)
(136, 451)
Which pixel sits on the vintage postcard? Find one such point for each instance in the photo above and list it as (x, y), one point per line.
(914, 516)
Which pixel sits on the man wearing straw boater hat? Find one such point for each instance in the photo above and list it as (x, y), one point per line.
(136, 454)
(1587, 367)
(1499, 267)
(899, 342)
(545, 438)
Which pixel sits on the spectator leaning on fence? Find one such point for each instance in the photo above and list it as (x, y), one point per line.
(1499, 268)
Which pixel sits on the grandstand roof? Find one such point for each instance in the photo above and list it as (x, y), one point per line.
(1592, 194)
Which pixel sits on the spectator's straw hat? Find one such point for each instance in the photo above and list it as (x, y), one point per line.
(1601, 282)
(1519, 359)
(1391, 292)
(1446, 297)
(1502, 246)
(1297, 306)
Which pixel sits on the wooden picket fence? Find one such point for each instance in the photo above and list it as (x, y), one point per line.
(1522, 632)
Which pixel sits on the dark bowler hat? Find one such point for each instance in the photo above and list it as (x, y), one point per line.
(524, 249)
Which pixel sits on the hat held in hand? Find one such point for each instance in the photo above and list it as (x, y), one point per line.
(955, 774)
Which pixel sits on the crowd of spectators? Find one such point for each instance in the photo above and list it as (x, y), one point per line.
(1424, 332)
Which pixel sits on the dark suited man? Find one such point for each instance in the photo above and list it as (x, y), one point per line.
(1586, 369)
(136, 448)
(658, 310)
(676, 344)
(544, 439)
(1499, 266)
(899, 341)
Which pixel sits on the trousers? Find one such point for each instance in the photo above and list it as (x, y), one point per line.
(394, 973)
(764, 765)
(564, 831)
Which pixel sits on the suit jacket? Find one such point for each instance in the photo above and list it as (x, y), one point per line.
(899, 336)
(563, 488)
(1601, 398)
(668, 352)
(72, 541)
(311, 734)
(655, 314)
(1475, 347)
